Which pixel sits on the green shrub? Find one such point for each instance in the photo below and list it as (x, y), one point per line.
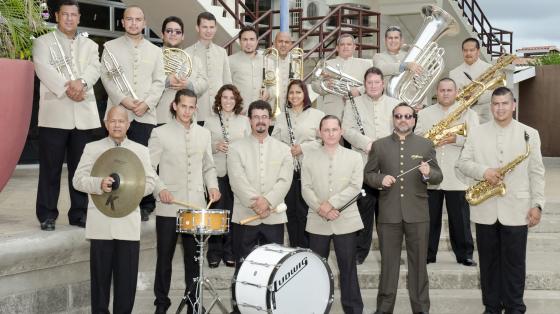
(552, 57)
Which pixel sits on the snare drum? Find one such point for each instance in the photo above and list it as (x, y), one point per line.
(278, 279)
(202, 221)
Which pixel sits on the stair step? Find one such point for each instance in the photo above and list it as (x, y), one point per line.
(542, 273)
(442, 301)
(550, 223)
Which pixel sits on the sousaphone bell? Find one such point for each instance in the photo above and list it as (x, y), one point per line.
(130, 180)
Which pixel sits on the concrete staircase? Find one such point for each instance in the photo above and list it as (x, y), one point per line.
(454, 288)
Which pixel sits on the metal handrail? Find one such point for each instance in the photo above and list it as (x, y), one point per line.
(494, 39)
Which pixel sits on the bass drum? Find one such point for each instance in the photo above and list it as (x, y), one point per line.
(278, 279)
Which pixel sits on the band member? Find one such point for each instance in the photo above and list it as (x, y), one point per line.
(502, 222)
(67, 111)
(473, 67)
(247, 67)
(332, 104)
(403, 207)
(260, 170)
(214, 60)
(226, 126)
(326, 192)
(142, 65)
(115, 242)
(283, 43)
(391, 62)
(452, 189)
(299, 132)
(173, 36)
(368, 121)
(183, 153)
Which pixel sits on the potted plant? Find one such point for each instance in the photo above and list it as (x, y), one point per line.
(20, 22)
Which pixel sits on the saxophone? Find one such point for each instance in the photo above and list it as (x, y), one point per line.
(483, 190)
(468, 96)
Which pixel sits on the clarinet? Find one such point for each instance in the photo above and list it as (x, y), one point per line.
(355, 111)
(225, 133)
(292, 137)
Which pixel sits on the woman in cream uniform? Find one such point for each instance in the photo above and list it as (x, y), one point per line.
(304, 124)
(331, 176)
(227, 125)
(182, 151)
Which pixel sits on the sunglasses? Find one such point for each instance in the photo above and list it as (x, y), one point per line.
(170, 31)
(399, 116)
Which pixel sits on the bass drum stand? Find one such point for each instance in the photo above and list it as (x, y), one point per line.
(200, 283)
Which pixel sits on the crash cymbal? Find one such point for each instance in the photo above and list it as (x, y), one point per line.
(130, 179)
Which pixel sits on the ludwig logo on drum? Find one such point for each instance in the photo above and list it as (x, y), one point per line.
(278, 284)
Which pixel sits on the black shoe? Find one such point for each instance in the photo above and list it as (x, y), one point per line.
(430, 260)
(360, 260)
(381, 312)
(468, 262)
(161, 309)
(145, 214)
(213, 264)
(229, 262)
(421, 313)
(48, 224)
(80, 222)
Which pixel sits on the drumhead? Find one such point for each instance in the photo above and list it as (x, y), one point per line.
(297, 281)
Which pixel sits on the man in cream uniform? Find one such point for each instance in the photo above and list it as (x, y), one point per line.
(452, 189)
(260, 169)
(67, 112)
(374, 110)
(502, 222)
(115, 242)
(247, 67)
(142, 65)
(283, 43)
(332, 104)
(326, 192)
(214, 60)
(391, 62)
(182, 150)
(173, 34)
(473, 67)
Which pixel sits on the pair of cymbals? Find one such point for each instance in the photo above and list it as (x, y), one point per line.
(130, 180)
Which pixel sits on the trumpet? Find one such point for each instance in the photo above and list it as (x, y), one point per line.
(116, 73)
(296, 64)
(177, 61)
(60, 61)
(341, 82)
(271, 75)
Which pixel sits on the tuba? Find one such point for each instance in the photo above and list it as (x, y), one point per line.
(60, 61)
(341, 82)
(271, 74)
(483, 190)
(409, 87)
(468, 96)
(296, 64)
(116, 73)
(177, 61)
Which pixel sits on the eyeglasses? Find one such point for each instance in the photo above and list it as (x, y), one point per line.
(399, 116)
(170, 31)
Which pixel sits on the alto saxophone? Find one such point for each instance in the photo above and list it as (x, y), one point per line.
(484, 190)
(469, 95)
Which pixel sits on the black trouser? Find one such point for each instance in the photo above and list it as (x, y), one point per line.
(140, 133)
(54, 144)
(296, 214)
(166, 243)
(246, 238)
(502, 254)
(117, 259)
(367, 206)
(345, 250)
(458, 213)
(220, 246)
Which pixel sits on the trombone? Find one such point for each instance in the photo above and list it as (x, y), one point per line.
(116, 73)
(296, 64)
(271, 75)
(60, 61)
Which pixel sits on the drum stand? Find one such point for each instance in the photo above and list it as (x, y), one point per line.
(200, 283)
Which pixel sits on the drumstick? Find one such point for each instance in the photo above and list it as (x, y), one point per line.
(354, 199)
(409, 170)
(280, 209)
(209, 203)
(185, 204)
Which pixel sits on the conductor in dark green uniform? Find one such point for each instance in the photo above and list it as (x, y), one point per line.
(403, 207)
